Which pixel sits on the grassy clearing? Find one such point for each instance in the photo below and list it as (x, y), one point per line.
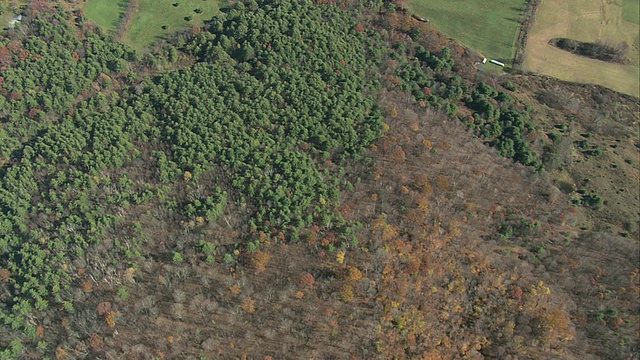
(9, 11)
(631, 11)
(4, 19)
(147, 26)
(154, 19)
(104, 12)
(588, 21)
(490, 27)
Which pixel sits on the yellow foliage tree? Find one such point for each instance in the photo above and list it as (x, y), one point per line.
(443, 183)
(346, 294)
(556, 326)
(248, 305)
(259, 260)
(353, 274)
(110, 318)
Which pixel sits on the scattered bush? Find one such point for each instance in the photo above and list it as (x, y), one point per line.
(599, 51)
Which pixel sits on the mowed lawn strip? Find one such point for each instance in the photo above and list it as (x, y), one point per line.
(152, 15)
(631, 11)
(105, 13)
(490, 27)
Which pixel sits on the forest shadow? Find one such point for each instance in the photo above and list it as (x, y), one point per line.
(122, 8)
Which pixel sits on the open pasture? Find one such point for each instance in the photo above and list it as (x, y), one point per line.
(157, 18)
(105, 13)
(587, 21)
(491, 27)
(631, 11)
(154, 19)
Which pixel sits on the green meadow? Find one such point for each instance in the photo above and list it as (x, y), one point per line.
(154, 20)
(105, 13)
(491, 27)
(153, 15)
(631, 11)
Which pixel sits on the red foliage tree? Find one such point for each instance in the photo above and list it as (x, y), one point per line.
(103, 308)
(15, 96)
(33, 113)
(24, 54)
(307, 280)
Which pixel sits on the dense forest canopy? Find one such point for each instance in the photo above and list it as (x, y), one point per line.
(262, 108)
(269, 126)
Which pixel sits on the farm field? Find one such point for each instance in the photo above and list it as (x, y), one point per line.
(631, 11)
(147, 26)
(587, 21)
(104, 13)
(490, 27)
(151, 17)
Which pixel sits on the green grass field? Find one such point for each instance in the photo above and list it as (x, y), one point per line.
(631, 11)
(152, 15)
(105, 13)
(490, 27)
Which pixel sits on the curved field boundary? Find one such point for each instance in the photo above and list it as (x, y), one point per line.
(587, 21)
(157, 19)
(140, 23)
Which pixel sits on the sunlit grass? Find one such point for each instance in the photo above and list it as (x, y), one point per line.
(490, 27)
